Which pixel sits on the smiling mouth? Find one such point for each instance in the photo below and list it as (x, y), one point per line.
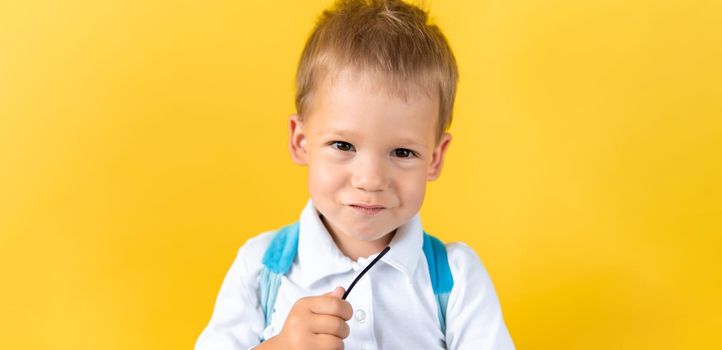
(369, 210)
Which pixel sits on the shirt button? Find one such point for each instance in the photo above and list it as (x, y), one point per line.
(360, 316)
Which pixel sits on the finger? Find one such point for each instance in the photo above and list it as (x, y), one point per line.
(330, 325)
(338, 292)
(330, 305)
(327, 342)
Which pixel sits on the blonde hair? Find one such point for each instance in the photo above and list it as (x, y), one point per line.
(381, 36)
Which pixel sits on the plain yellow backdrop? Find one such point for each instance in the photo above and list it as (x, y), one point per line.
(142, 142)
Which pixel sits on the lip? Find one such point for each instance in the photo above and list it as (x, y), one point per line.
(367, 209)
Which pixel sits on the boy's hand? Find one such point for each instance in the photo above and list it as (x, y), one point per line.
(317, 323)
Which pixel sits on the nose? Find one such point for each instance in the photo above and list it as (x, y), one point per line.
(369, 174)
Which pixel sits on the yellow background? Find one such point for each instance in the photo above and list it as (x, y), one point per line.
(142, 142)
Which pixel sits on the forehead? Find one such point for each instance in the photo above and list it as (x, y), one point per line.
(365, 102)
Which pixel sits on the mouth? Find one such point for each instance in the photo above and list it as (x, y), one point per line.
(367, 209)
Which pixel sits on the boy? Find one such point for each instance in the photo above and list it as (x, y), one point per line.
(375, 90)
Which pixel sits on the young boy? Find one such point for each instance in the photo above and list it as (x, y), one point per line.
(375, 90)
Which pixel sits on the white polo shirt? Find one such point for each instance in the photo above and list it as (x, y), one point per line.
(394, 304)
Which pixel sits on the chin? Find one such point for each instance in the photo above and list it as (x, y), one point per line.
(369, 233)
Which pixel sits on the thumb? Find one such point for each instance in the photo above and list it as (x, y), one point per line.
(338, 292)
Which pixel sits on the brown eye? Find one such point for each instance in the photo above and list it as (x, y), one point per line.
(403, 153)
(342, 146)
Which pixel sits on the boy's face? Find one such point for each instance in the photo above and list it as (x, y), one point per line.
(369, 155)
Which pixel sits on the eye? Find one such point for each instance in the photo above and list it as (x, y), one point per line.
(404, 153)
(342, 146)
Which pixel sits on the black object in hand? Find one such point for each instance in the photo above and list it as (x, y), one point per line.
(383, 252)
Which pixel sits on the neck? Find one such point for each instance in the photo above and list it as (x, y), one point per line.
(355, 249)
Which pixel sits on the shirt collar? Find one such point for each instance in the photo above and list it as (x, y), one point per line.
(319, 257)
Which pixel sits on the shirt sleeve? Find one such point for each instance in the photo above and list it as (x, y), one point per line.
(237, 320)
(473, 317)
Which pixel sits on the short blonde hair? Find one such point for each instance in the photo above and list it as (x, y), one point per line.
(381, 36)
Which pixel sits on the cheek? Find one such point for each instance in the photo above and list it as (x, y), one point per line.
(323, 177)
(412, 188)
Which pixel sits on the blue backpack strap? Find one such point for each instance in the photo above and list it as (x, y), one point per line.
(441, 279)
(277, 262)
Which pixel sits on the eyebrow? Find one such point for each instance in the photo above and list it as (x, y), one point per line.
(342, 133)
(351, 134)
(408, 141)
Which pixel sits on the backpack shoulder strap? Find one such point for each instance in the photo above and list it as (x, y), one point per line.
(441, 279)
(277, 261)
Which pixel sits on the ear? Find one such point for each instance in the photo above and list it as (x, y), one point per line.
(297, 140)
(437, 158)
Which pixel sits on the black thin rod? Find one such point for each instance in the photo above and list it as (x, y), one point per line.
(383, 252)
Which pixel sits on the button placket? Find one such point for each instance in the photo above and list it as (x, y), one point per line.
(363, 312)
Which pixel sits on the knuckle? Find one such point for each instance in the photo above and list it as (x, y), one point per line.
(334, 305)
(296, 321)
(292, 321)
(341, 307)
(344, 330)
(302, 302)
(347, 310)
